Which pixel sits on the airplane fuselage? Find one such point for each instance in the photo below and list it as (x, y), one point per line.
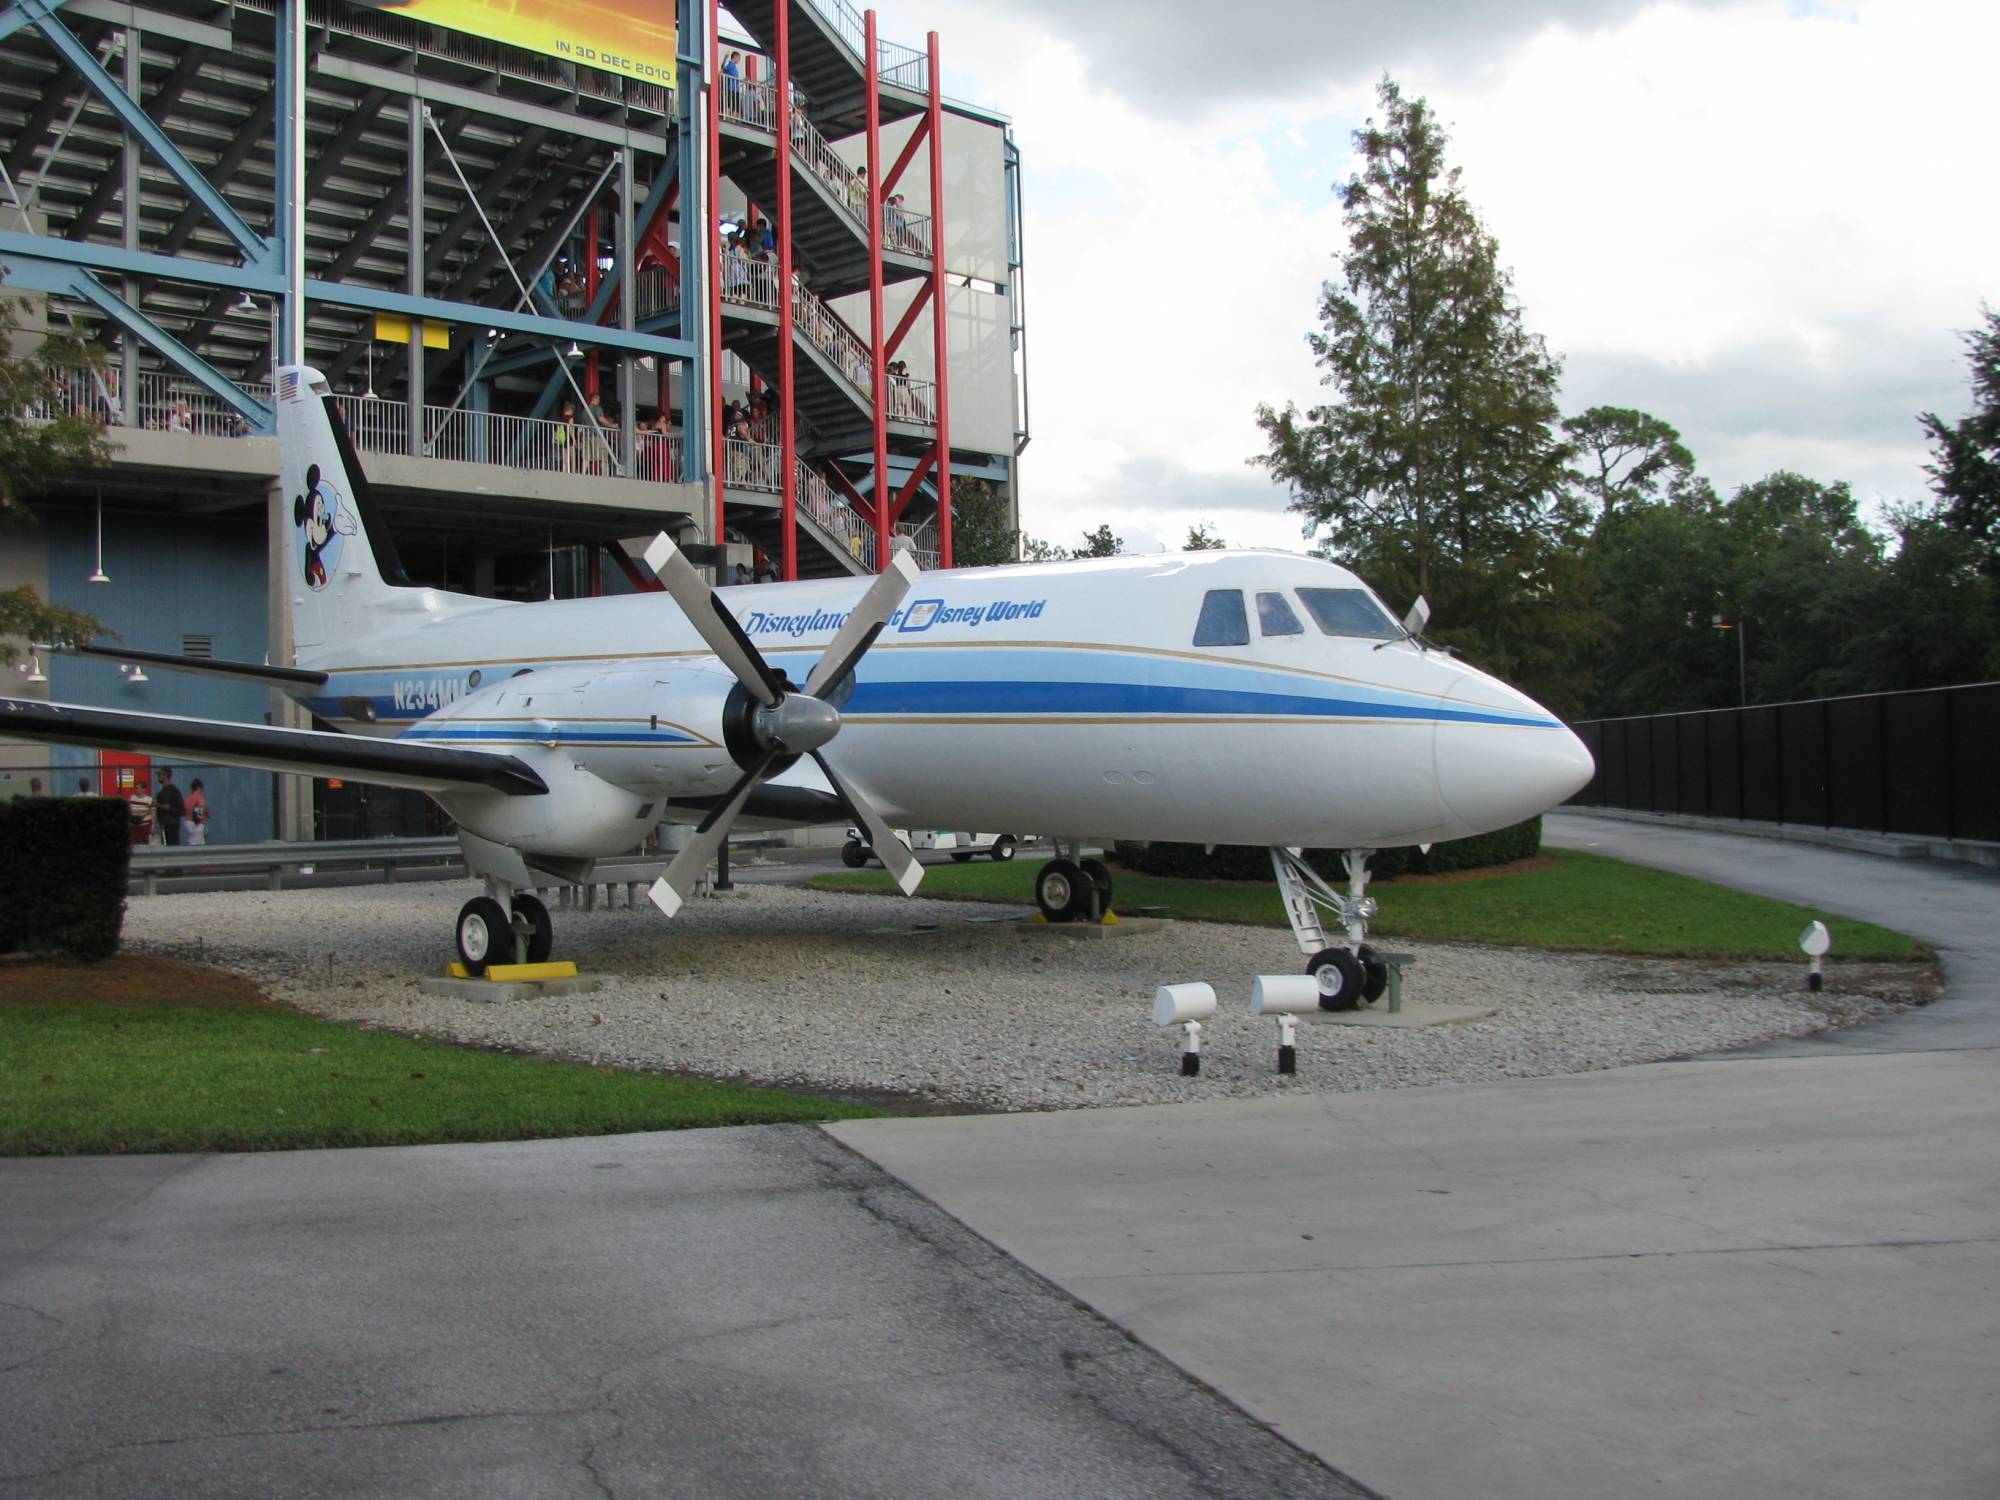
(1096, 698)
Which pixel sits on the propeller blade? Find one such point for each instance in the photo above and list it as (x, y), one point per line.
(893, 852)
(711, 617)
(670, 891)
(864, 622)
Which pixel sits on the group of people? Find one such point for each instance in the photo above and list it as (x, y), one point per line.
(583, 444)
(164, 816)
(766, 571)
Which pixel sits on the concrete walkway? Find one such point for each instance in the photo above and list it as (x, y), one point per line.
(1775, 1277)
(723, 1313)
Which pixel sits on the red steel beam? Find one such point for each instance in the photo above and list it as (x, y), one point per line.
(940, 325)
(711, 237)
(788, 497)
(879, 389)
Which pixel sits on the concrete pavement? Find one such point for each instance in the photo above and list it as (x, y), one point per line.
(743, 1313)
(1774, 1277)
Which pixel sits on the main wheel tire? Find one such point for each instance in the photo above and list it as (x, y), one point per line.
(1002, 850)
(1341, 978)
(485, 935)
(1095, 872)
(1062, 891)
(1374, 974)
(541, 929)
(961, 856)
(854, 854)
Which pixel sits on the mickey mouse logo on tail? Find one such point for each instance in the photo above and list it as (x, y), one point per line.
(322, 521)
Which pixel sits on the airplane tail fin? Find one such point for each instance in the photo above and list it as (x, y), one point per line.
(339, 561)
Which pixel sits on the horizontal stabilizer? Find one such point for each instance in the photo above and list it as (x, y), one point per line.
(263, 747)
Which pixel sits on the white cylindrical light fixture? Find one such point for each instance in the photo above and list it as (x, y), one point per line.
(1176, 1003)
(1284, 994)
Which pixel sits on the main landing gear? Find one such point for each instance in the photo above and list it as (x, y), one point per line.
(1349, 975)
(1070, 888)
(489, 933)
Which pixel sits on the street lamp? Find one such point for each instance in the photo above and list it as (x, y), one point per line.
(1742, 628)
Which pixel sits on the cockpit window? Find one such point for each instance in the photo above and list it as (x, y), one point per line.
(1350, 612)
(1275, 617)
(1223, 622)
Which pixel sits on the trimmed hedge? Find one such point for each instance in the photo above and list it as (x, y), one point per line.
(63, 862)
(1249, 862)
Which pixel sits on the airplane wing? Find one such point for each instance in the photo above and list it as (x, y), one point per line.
(263, 747)
(242, 671)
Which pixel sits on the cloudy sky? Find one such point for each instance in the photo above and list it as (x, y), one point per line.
(1765, 221)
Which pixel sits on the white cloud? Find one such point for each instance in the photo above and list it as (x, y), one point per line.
(1762, 222)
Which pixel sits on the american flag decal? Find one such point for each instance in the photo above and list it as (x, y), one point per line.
(288, 386)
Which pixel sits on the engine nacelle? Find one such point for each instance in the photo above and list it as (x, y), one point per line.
(614, 744)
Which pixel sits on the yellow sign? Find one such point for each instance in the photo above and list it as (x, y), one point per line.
(390, 329)
(635, 39)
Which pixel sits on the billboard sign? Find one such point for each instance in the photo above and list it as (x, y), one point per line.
(634, 39)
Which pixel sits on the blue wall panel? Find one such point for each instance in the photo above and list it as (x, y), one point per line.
(171, 576)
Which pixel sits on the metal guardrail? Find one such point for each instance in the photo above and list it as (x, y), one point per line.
(152, 863)
(155, 862)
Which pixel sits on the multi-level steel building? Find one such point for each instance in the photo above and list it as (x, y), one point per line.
(582, 277)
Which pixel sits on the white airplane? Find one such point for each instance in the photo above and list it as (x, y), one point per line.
(1205, 697)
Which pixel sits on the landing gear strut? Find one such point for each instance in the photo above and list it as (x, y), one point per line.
(1349, 974)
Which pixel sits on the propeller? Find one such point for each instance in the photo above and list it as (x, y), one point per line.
(788, 721)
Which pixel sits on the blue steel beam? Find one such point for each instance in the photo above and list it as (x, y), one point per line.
(17, 17)
(436, 310)
(254, 246)
(36, 274)
(141, 263)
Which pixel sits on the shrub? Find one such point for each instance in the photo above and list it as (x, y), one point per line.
(1249, 862)
(63, 863)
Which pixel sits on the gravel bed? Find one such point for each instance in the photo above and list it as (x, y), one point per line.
(841, 994)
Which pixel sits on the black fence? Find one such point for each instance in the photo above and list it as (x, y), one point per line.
(1924, 762)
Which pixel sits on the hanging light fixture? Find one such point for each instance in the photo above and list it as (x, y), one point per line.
(133, 672)
(100, 576)
(369, 394)
(32, 669)
(246, 304)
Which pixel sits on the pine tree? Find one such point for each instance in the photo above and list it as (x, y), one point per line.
(1442, 430)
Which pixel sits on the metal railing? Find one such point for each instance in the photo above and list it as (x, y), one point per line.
(912, 400)
(905, 67)
(847, 527)
(168, 401)
(659, 291)
(749, 282)
(923, 542)
(754, 102)
(905, 231)
(753, 466)
(834, 339)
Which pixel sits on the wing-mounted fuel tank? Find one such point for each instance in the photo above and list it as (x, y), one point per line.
(614, 745)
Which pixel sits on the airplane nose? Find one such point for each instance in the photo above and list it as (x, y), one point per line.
(1502, 757)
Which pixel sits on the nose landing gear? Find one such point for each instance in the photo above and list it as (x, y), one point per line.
(1349, 975)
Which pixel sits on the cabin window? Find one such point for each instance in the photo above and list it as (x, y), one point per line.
(1350, 612)
(1224, 621)
(1275, 617)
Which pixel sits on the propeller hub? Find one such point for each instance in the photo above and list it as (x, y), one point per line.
(799, 723)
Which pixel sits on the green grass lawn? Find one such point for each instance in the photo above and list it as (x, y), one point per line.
(81, 1078)
(1573, 901)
